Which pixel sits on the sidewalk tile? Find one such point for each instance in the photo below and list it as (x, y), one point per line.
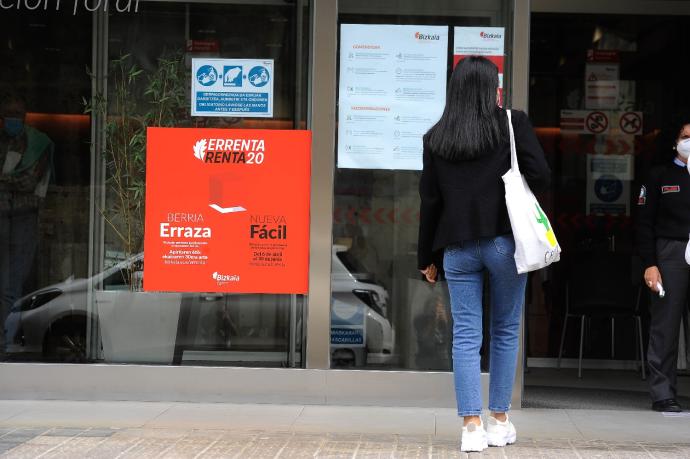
(88, 414)
(77, 447)
(11, 408)
(368, 421)
(643, 426)
(223, 416)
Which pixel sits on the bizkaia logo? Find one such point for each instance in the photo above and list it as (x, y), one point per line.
(490, 35)
(426, 36)
(222, 279)
(230, 151)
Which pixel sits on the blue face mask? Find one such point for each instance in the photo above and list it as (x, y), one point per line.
(13, 126)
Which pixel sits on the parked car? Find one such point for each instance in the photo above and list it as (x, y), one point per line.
(51, 323)
(358, 302)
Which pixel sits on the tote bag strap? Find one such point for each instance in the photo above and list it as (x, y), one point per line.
(513, 151)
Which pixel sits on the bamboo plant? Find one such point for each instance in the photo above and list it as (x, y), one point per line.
(136, 99)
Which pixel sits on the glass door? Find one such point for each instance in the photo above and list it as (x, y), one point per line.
(394, 61)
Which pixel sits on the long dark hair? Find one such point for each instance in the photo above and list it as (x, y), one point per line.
(471, 124)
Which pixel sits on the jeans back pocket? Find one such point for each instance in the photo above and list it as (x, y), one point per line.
(505, 245)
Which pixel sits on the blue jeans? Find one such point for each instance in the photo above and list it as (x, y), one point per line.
(464, 265)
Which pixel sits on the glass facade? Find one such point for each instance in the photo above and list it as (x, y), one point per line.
(376, 214)
(44, 196)
(84, 87)
(72, 282)
(72, 260)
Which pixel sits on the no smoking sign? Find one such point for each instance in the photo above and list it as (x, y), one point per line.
(597, 122)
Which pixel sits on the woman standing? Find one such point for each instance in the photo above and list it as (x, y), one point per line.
(464, 218)
(662, 236)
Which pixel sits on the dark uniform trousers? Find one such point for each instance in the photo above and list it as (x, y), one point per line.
(666, 318)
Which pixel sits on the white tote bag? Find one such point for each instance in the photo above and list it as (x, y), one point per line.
(535, 242)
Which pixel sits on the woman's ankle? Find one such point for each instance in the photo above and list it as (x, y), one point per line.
(472, 419)
(500, 417)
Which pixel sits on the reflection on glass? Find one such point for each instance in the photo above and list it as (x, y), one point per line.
(54, 308)
(26, 156)
(433, 329)
(361, 332)
(44, 174)
(153, 57)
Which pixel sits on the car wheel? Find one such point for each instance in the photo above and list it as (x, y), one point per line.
(66, 343)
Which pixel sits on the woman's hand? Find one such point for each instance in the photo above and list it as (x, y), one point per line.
(651, 277)
(430, 272)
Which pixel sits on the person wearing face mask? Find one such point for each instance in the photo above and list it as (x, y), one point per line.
(25, 170)
(662, 235)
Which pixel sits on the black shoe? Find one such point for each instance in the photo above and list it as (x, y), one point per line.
(670, 405)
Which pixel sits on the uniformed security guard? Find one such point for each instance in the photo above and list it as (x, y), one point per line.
(662, 232)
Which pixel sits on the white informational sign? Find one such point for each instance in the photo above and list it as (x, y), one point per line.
(585, 122)
(601, 122)
(608, 184)
(481, 41)
(392, 90)
(602, 86)
(232, 87)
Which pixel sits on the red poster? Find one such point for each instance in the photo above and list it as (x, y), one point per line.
(227, 210)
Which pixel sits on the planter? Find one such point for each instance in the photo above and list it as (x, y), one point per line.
(138, 327)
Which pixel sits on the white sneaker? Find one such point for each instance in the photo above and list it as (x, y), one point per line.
(473, 438)
(500, 433)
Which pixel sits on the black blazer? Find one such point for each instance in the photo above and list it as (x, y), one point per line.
(664, 209)
(464, 200)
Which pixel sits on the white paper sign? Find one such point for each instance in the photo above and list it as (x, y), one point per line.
(479, 41)
(602, 86)
(232, 87)
(597, 71)
(601, 122)
(392, 90)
